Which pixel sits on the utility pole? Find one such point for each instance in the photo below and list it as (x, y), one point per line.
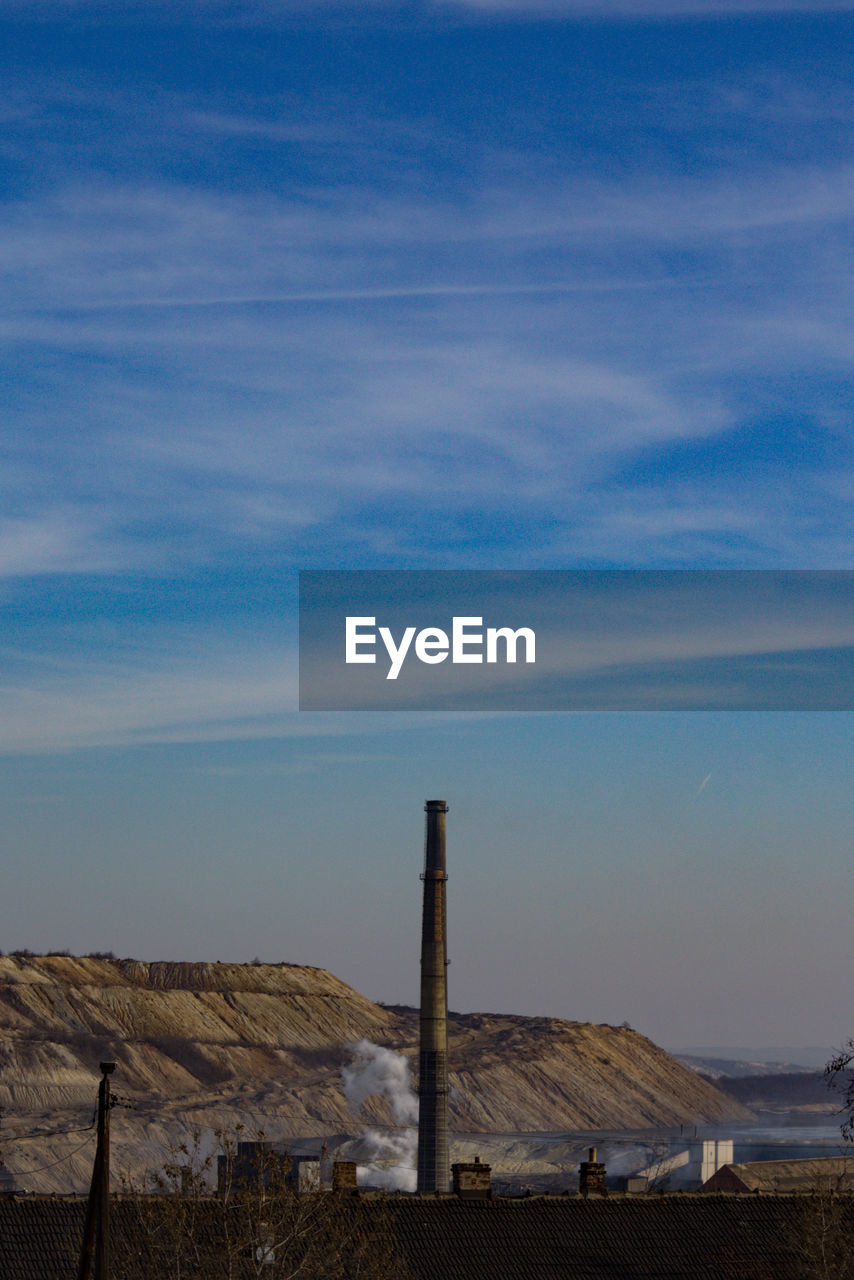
(96, 1233)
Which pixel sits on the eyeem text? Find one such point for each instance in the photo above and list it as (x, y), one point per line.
(467, 642)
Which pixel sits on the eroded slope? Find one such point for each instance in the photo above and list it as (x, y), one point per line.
(263, 1045)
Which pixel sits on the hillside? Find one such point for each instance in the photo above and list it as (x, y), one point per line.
(214, 1044)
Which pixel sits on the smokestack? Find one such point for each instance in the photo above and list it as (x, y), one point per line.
(433, 1159)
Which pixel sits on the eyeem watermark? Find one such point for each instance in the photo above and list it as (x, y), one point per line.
(467, 642)
(576, 640)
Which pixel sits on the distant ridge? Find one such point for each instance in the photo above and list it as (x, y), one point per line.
(763, 1058)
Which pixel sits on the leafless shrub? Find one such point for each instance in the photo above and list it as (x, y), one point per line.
(839, 1076)
(256, 1223)
(820, 1237)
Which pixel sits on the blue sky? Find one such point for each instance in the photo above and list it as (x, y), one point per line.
(486, 285)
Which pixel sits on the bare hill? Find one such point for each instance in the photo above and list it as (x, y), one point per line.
(212, 1044)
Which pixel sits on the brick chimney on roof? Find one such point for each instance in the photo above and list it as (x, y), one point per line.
(591, 1175)
(472, 1181)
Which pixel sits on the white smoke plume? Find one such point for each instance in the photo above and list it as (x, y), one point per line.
(379, 1072)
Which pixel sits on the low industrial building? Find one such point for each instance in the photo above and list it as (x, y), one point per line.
(772, 1177)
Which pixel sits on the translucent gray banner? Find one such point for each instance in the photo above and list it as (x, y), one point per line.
(577, 640)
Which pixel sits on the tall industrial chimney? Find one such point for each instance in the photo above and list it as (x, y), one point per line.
(433, 1160)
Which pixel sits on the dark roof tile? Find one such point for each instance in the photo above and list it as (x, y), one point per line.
(679, 1237)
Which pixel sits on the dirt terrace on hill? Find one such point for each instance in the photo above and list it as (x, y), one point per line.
(263, 1045)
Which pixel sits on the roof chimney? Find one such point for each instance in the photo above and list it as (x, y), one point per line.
(344, 1175)
(472, 1181)
(591, 1175)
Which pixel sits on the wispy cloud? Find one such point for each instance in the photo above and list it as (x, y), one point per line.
(204, 696)
(161, 245)
(286, 371)
(61, 540)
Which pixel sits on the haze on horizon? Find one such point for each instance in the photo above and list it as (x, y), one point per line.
(460, 285)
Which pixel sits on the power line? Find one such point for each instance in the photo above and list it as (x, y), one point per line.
(26, 1173)
(50, 1133)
